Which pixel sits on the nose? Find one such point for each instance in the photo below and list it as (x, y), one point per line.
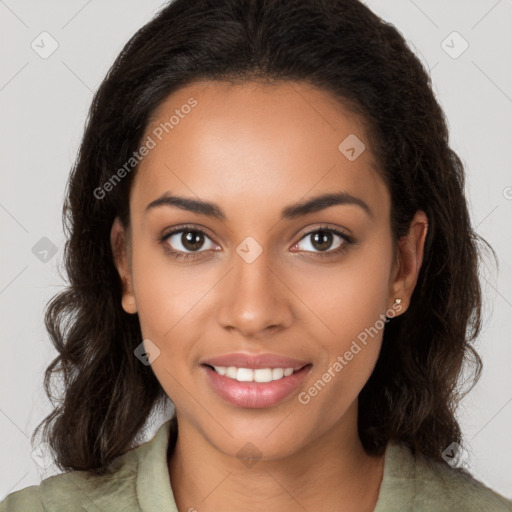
(254, 298)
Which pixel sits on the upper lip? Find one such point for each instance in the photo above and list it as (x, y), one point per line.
(241, 360)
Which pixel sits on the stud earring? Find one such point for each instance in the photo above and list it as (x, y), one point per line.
(391, 311)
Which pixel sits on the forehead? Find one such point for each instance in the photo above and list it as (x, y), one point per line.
(256, 143)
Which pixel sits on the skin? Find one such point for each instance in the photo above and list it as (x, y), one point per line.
(254, 149)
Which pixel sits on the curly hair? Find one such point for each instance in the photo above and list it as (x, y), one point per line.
(343, 48)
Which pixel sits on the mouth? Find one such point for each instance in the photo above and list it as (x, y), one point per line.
(254, 388)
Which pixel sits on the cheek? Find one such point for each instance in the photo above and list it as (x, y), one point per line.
(155, 293)
(337, 386)
(165, 303)
(171, 303)
(350, 296)
(166, 293)
(349, 303)
(352, 311)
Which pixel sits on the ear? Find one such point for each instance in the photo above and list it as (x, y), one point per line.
(119, 242)
(408, 261)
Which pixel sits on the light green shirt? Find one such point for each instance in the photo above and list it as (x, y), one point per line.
(139, 481)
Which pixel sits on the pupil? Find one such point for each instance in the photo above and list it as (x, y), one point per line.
(192, 240)
(322, 240)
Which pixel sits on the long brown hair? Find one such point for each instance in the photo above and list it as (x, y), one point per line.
(341, 47)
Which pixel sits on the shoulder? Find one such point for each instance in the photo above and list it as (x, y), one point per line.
(25, 499)
(79, 490)
(136, 480)
(457, 488)
(425, 485)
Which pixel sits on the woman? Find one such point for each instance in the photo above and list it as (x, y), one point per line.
(267, 227)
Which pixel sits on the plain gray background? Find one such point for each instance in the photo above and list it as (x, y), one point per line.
(44, 102)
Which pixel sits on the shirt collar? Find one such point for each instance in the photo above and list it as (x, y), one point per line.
(153, 484)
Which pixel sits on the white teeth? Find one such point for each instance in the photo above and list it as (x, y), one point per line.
(263, 375)
(245, 375)
(277, 373)
(230, 372)
(250, 375)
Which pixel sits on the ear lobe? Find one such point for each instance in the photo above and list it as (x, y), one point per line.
(119, 246)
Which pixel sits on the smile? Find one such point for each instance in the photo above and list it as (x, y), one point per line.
(254, 388)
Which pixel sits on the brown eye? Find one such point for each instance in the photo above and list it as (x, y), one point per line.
(323, 239)
(192, 240)
(187, 240)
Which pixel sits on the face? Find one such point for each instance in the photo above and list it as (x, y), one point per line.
(248, 263)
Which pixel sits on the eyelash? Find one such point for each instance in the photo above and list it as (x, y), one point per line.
(348, 240)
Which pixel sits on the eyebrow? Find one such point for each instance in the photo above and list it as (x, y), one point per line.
(312, 205)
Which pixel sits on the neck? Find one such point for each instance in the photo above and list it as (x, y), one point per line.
(334, 467)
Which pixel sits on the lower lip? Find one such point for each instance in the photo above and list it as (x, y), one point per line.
(255, 395)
